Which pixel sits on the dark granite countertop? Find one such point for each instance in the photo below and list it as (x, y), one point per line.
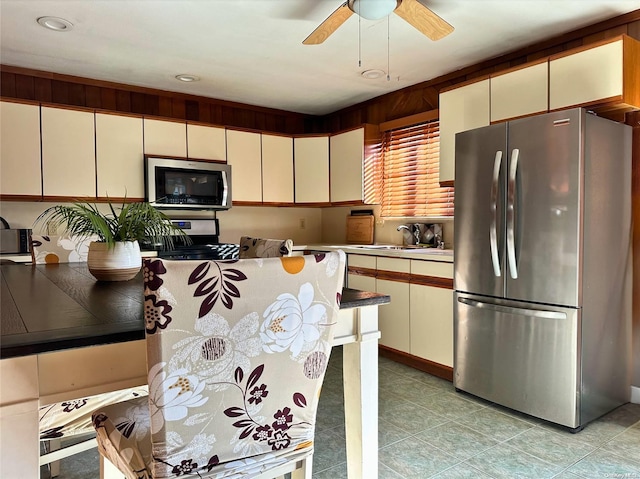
(52, 307)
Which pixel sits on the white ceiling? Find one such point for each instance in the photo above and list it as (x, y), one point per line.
(251, 51)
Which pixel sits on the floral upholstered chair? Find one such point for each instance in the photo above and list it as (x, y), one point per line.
(237, 351)
(72, 418)
(264, 248)
(59, 249)
(62, 420)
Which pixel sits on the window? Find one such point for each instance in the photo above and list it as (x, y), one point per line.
(404, 177)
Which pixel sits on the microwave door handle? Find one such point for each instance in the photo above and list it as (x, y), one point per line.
(225, 188)
(511, 214)
(493, 230)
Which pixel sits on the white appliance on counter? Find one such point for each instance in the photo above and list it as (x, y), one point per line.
(542, 302)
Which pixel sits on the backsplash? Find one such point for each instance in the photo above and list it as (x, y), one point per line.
(334, 221)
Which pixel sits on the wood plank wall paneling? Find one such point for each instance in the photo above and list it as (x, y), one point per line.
(75, 91)
(424, 96)
(52, 88)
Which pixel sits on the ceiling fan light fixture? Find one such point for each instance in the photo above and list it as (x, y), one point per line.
(373, 9)
(56, 24)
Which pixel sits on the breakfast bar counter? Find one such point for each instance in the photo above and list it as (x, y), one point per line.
(64, 336)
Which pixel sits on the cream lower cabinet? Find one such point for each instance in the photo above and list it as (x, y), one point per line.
(461, 109)
(119, 157)
(431, 313)
(419, 319)
(20, 167)
(393, 318)
(68, 153)
(244, 154)
(311, 166)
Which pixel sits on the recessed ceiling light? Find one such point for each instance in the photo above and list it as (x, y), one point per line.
(187, 78)
(372, 74)
(56, 24)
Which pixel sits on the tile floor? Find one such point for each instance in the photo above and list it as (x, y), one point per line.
(429, 430)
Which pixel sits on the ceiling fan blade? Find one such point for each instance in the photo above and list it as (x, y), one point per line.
(423, 19)
(330, 25)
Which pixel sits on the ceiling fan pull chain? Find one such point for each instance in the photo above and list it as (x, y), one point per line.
(359, 38)
(388, 42)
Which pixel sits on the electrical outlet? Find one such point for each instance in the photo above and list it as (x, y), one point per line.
(303, 223)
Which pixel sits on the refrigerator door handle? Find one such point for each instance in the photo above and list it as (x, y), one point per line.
(511, 214)
(493, 230)
(535, 313)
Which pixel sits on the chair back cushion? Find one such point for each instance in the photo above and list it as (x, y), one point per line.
(264, 248)
(59, 249)
(237, 352)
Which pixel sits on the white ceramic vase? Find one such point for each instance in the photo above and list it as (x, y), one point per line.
(119, 263)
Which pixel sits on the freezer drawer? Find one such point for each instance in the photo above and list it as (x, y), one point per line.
(519, 355)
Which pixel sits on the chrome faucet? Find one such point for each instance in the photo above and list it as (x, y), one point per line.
(414, 230)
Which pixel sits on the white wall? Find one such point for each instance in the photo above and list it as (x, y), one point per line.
(334, 226)
(266, 222)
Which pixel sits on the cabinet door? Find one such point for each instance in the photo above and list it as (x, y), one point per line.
(431, 311)
(165, 138)
(20, 172)
(363, 282)
(431, 314)
(277, 169)
(462, 109)
(119, 157)
(346, 159)
(311, 160)
(68, 153)
(394, 317)
(245, 157)
(586, 76)
(521, 92)
(206, 143)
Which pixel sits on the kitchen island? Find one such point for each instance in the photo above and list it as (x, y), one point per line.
(65, 336)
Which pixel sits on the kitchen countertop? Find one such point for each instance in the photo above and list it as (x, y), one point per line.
(398, 251)
(60, 306)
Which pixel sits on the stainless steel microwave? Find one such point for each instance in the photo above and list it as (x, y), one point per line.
(175, 183)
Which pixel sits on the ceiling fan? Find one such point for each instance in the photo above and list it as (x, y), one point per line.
(412, 11)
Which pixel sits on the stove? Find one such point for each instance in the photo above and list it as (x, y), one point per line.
(205, 244)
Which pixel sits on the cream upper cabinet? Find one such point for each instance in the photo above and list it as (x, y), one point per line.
(520, 92)
(277, 169)
(68, 153)
(431, 313)
(206, 142)
(461, 109)
(119, 157)
(607, 73)
(311, 160)
(165, 138)
(20, 167)
(245, 157)
(346, 156)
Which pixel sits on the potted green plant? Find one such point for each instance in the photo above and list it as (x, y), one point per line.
(115, 255)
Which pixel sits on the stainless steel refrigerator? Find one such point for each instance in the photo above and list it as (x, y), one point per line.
(542, 284)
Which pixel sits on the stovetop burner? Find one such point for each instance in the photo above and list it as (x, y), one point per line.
(208, 251)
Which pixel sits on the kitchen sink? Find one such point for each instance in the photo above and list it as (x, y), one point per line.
(412, 248)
